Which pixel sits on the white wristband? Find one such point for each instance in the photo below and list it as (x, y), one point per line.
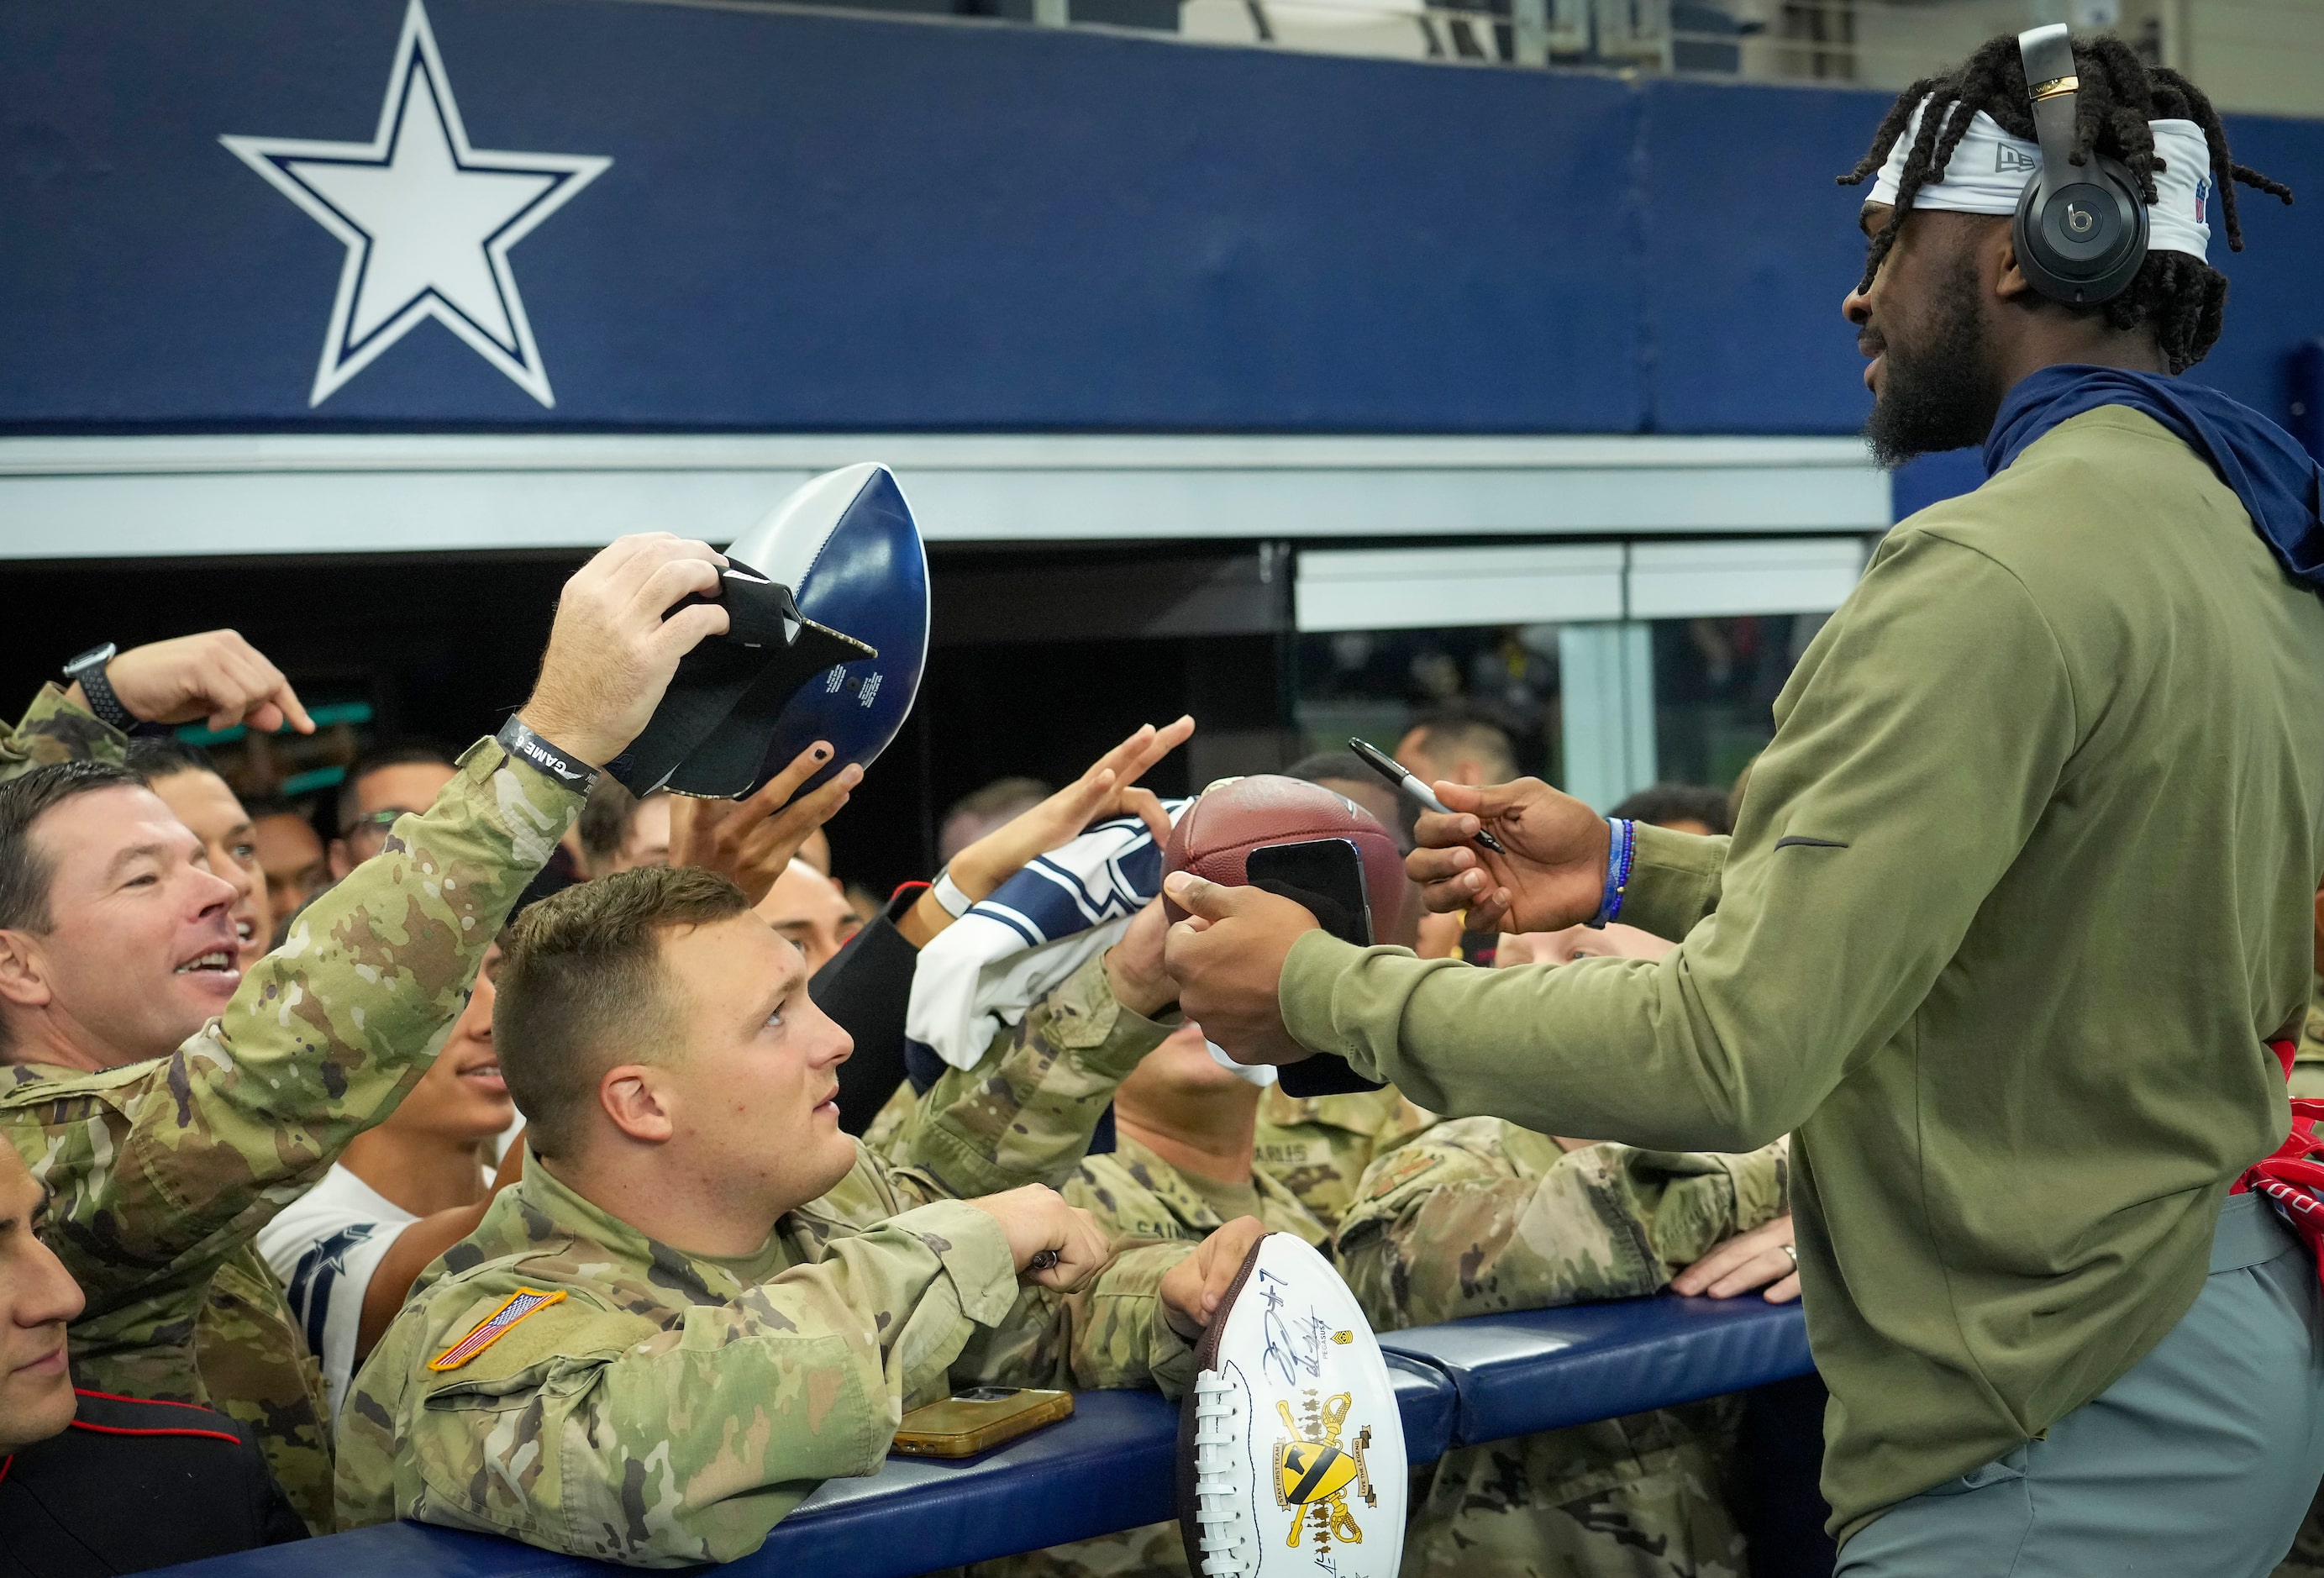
(955, 903)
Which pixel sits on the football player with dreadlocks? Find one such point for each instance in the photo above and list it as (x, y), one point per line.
(1955, 328)
(2018, 900)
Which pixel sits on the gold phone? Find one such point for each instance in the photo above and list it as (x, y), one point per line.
(970, 1421)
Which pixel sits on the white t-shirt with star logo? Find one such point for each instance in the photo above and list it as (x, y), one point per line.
(324, 1247)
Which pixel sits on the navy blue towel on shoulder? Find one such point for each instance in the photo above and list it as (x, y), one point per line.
(2279, 481)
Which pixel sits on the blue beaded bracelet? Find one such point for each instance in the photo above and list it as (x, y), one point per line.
(1621, 854)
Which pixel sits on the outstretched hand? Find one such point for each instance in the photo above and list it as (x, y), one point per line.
(1761, 1257)
(215, 677)
(1227, 957)
(1108, 789)
(1551, 876)
(751, 841)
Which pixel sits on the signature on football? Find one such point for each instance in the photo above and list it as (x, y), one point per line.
(1295, 1343)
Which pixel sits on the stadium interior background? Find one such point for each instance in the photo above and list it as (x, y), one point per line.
(1482, 354)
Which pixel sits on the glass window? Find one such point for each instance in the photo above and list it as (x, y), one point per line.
(1715, 681)
(1376, 683)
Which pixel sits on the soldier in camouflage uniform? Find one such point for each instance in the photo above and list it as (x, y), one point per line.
(1036, 1095)
(573, 1378)
(178, 1307)
(162, 1170)
(1318, 1147)
(1479, 1215)
(1313, 1147)
(1183, 1166)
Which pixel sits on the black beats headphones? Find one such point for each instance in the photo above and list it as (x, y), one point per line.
(2080, 232)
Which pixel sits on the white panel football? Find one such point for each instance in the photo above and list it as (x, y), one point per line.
(786, 542)
(1297, 1463)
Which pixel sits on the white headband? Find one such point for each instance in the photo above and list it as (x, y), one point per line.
(1989, 169)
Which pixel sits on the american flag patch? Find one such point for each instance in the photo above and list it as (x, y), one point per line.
(523, 1302)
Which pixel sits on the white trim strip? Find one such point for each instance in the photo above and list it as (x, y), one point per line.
(135, 496)
(1435, 588)
(1701, 580)
(1547, 583)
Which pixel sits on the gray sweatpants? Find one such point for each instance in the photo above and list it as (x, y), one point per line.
(2200, 1461)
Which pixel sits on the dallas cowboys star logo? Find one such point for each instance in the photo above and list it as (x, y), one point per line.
(427, 221)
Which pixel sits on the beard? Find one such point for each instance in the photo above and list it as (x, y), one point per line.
(1936, 394)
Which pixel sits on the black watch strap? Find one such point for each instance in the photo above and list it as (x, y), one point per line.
(563, 766)
(88, 672)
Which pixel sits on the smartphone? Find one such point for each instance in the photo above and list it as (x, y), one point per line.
(979, 1419)
(1333, 869)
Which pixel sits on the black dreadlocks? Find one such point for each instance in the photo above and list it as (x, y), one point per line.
(2184, 298)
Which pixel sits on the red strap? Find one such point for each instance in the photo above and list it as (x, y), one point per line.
(123, 1430)
(2292, 1176)
(82, 1391)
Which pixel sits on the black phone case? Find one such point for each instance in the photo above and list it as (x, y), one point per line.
(1325, 1074)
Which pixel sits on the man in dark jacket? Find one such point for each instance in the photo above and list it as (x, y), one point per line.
(91, 1483)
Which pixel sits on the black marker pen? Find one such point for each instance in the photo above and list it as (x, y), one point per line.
(1390, 769)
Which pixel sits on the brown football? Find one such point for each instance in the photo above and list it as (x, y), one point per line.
(1232, 817)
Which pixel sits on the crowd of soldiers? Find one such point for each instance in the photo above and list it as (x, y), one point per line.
(564, 1373)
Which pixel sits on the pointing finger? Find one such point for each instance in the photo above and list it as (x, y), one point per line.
(287, 701)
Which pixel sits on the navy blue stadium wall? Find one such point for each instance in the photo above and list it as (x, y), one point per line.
(820, 222)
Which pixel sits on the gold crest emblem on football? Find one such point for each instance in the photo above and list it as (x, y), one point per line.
(1291, 1454)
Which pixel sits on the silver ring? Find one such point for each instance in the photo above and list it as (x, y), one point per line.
(1791, 1252)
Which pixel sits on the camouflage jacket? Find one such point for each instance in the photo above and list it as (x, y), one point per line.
(884, 1134)
(162, 1172)
(1480, 1215)
(54, 730)
(1317, 1147)
(560, 1378)
(1037, 1094)
(1135, 1193)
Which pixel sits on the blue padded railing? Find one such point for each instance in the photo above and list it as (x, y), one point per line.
(1542, 1369)
(1112, 1466)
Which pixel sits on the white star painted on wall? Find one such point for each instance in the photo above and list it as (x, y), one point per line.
(427, 221)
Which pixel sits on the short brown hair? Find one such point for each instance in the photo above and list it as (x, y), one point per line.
(580, 988)
(25, 872)
(1451, 733)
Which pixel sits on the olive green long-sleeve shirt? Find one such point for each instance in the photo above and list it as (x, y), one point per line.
(2021, 885)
